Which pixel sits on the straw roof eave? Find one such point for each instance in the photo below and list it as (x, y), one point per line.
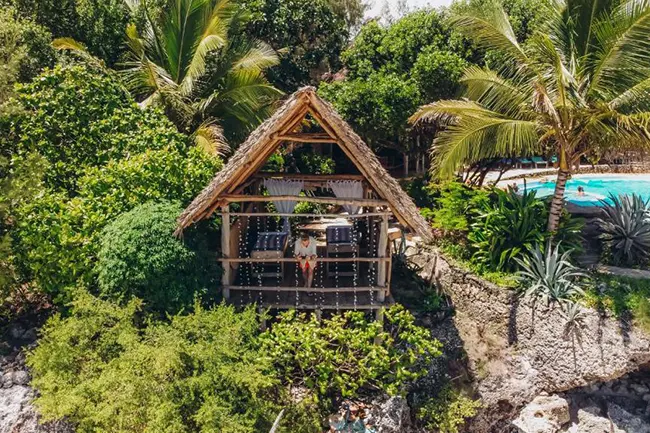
(252, 154)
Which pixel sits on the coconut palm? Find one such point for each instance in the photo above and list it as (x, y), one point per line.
(194, 62)
(579, 86)
(192, 59)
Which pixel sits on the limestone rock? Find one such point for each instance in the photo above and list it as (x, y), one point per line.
(391, 415)
(518, 348)
(589, 421)
(626, 421)
(20, 377)
(545, 414)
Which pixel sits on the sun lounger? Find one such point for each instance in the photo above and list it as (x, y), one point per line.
(537, 160)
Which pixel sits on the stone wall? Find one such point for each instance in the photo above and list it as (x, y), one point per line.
(517, 350)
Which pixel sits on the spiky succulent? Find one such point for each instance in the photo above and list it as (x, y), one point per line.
(625, 228)
(549, 276)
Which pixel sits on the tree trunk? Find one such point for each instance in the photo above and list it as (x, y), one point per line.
(557, 204)
(406, 165)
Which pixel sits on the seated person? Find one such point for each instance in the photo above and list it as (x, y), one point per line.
(305, 254)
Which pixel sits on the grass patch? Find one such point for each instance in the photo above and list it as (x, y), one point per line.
(623, 296)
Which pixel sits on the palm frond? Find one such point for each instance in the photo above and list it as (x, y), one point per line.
(209, 137)
(492, 90)
(213, 36)
(258, 58)
(488, 26)
(624, 54)
(473, 138)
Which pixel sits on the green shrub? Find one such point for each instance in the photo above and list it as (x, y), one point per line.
(448, 411)
(57, 238)
(421, 190)
(314, 163)
(197, 373)
(455, 209)
(139, 256)
(511, 223)
(76, 118)
(338, 357)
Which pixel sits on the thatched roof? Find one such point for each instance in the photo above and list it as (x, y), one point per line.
(262, 142)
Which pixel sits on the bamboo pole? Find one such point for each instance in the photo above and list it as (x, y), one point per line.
(229, 198)
(306, 289)
(293, 260)
(225, 250)
(306, 138)
(314, 177)
(335, 216)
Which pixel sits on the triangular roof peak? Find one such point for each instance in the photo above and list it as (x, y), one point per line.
(262, 142)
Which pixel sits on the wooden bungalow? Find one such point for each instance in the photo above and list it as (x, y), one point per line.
(352, 214)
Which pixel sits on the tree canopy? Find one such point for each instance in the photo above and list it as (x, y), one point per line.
(309, 33)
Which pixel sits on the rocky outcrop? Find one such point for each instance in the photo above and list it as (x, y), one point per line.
(545, 414)
(554, 414)
(17, 415)
(517, 349)
(390, 415)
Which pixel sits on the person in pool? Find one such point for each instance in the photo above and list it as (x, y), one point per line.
(581, 191)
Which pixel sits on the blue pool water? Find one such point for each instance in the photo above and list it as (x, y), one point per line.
(596, 187)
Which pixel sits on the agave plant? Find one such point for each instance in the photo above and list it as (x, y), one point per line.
(625, 228)
(551, 276)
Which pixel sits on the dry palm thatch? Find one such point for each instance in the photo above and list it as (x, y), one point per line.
(261, 144)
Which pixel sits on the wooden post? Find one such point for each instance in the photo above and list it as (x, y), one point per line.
(382, 247)
(406, 165)
(225, 250)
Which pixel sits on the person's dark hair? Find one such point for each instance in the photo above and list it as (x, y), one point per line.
(304, 236)
(581, 189)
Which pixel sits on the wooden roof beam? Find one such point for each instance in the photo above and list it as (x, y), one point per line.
(304, 137)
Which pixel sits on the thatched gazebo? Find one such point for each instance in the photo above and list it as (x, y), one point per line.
(359, 209)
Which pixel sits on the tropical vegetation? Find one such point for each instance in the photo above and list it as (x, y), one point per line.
(115, 114)
(575, 88)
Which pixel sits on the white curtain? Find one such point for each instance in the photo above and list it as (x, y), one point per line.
(284, 187)
(347, 189)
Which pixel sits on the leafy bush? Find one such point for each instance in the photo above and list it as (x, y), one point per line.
(506, 228)
(625, 228)
(338, 356)
(421, 191)
(201, 372)
(57, 238)
(510, 223)
(26, 48)
(314, 163)
(76, 117)
(140, 256)
(455, 209)
(448, 411)
(550, 277)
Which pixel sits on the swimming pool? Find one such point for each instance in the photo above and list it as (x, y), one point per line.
(596, 187)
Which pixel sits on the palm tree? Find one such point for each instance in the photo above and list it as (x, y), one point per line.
(580, 85)
(192, 59)
(195, 62)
